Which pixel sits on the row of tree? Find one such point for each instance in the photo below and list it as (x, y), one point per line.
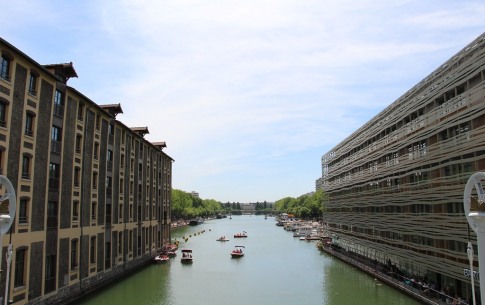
(306, 206)
(186, 206)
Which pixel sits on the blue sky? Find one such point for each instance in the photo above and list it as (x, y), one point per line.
(247, 94)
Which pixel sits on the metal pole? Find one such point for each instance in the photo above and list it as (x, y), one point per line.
(6, 220)
(470, 259)
(9, 260)
(474, 205)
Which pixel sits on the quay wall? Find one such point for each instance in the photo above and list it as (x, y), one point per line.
(374, 271)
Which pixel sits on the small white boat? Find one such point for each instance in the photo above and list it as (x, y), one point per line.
(222, 238)
(161, 258)
(237, 252)
(186, 256)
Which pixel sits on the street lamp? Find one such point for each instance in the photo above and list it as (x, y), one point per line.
(6, 220)
(475, 215)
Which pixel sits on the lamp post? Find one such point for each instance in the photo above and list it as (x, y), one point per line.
(6, 220)
(475, 215)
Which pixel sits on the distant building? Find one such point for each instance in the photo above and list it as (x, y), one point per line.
(194, 194)
(93, 196)
(395, 186)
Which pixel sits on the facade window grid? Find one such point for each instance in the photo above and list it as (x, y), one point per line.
(64, 99)
(425, 174)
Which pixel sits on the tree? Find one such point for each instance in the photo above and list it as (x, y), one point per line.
(305, 206)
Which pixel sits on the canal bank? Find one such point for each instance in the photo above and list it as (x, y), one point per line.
(420, 291)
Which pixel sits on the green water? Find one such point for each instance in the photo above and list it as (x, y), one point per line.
(277, 269)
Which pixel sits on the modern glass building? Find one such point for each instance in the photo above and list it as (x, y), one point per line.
(395, 186)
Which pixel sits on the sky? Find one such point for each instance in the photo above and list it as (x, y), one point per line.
(248, 95)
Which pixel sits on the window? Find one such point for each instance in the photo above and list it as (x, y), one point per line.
(110, 155)
(79, 140)
(29, 124)
(5, 67)
(33, 83)
(26, 167)
(96, 150)
(20, 256)
(54, 172)
(80, 111)
(50, 273)
(56, 134)
(109, 185)
(51, 215)
(23, 210)
(77, 175)
(93, 210)
(98, 121)
(92, 250)
(3, 113)
(95, 180)
(75, 210)
(120, 242)
(58, 104)
(74, 254)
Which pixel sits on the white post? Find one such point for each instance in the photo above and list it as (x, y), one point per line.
(479, 218)
(475, 215)
(6, 221)
(9, 260)
(470, 260)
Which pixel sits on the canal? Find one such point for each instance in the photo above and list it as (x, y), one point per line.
(277, 269)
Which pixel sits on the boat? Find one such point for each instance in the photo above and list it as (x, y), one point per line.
(196, 221)
(161, 258)
(222, 238)
(303, 231)
(240, 235)
(314, 235)
(186, 256)
(237, 252)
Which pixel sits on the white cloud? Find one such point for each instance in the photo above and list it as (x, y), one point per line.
(249, 93)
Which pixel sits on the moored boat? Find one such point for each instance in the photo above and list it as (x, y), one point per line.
(196, 221)
(161, 258)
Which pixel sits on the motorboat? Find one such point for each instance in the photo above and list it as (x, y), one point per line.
(241, 235)
(186, 256)
(161, 258)
(222, 238)
(237, 252)
(196, 221)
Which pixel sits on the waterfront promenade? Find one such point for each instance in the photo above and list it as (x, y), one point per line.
(416, 289)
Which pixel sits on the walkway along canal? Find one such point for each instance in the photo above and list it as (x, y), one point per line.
(276, 269)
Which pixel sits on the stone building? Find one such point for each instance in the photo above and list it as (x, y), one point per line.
(395, 186)
(93, 195)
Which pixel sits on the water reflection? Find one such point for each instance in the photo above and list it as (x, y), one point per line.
(276, 269)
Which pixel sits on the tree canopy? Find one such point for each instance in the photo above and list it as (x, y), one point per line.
(186, 206)
(305, 206)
